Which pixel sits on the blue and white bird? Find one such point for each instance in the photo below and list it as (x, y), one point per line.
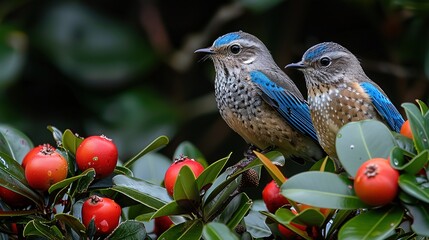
(340, 92)
(258, 100)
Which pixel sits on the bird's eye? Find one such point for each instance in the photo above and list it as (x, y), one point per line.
(235, 49)
(325, 61)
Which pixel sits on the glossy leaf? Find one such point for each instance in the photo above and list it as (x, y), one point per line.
(151, 167)
(169, 209)
(409, 184)
(310, 217)
(141, 191)
(374, 224)
(155, 144)
(256, 225)
(423, 107)
(71, 141)
(37, 228)
(420, 213)
(324, 165)
(129, 229)
(322, 189)
(188, 149)
(357, 142)
(235, 211)
(191, 230)
(68, 181)
(338, 220)
(209, 175)
(419, 127)
(399, 159)
(14, 143)
(218, 231)
(185, 186)
(73, 222)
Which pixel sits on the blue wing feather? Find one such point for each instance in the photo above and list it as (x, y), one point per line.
(294, 110)
(384, 106)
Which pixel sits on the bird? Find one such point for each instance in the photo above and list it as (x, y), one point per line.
(258, 100)
(339, 92)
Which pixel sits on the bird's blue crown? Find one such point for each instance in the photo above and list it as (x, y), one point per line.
(225, 39)
(315, 52)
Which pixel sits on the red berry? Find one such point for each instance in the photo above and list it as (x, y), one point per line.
(272, 197)
(98, 152)
(174, 169)
(105, 212)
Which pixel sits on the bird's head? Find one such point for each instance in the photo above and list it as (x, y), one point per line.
(237, 49)
(327, 62)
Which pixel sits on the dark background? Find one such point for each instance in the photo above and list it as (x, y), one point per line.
(127, 69)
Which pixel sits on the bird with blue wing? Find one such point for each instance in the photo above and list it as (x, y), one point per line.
(258, 100)
(340, 92)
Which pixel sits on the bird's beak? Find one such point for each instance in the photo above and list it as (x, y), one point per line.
(298, 65)
(208, 50)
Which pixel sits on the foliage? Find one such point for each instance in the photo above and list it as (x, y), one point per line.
(215, 205)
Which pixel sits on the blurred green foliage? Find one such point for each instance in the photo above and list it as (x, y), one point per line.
(127, 69)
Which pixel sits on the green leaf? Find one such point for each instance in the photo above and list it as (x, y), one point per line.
(141, 191)
(420, 214)
(71, 141)
(151, 167)
(218, 231)
(14, 143)
(191, 230)
(310, 217)
(72, 222)
(38, 228)
(64, 183)
(188, 149)
(357, 142)
(338, 220)
(410, 184)
(423, 107)
(185, 186)
(209, 175)
(374, 224)
(324, 165)
(129, 229)
(155, 144)
(169, 209)
(256, 225)
(322, 189)
(235, 211)
(399, 160)
(418, 126)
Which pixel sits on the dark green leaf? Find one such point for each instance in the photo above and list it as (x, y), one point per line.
(400, 160)
(71, 141)
(418, 126)
(185, 186)
(409, 184)
(191, 230)
(56, 134)
(235, 211)
(155, 144)
(357, 142)
(171, 208)
(37, 228)
(374, 224)
(141, 191)
(62, 184)
(310, 217)
(188, 149)
(211, 173)
(423, 107)
(218, 231)
(322, 189)
(324, 165)
(130, 230)
(13, 142)
(338, 220)
(256, 226)
(151, 167)
(72, 222)
(420, 214)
